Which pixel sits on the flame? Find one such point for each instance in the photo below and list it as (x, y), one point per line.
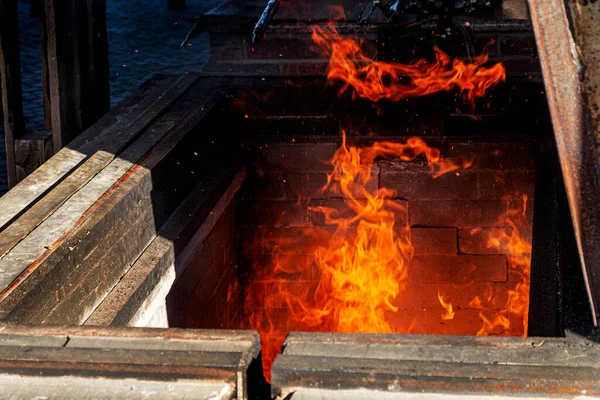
(447, 306)
(362, 257)
(518, 250)
(363, 254)
(376, 80)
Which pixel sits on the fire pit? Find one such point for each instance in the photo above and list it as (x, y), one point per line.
(455, 209)
(404, 193)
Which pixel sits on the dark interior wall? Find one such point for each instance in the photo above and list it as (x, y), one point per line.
(205, 295)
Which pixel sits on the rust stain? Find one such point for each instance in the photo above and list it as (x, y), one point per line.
(50, 249)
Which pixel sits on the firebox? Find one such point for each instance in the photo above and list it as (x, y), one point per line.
(375, 189)
(436, 233)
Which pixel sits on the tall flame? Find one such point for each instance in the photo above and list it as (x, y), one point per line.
(362, 264)
(518, 249)
(376, 80)
(363, 254)
(449, 314)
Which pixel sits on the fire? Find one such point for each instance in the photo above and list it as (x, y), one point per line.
(447, 306)
(377, 80)
(362, 263)
(363, 255)
(518, 249)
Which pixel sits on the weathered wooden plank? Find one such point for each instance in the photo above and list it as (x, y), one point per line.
(45, 71)
(205, 357)
(122, 332)
(79, 299)
(151, 310)
(83, 174)
(136, 356)
(20, 228)
(363, 394)
(79, 91)
(126, 299)
(291, 372)
(112, 342)
(509, 342)
(98, 221)
(44, 237)
(96, 89)
(104, 135)
(86, 196)
(537, 355)
(26, 340)
(16, 387)
(32, 150)
(10, 83)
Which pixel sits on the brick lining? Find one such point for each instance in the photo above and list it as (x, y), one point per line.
(450, 258)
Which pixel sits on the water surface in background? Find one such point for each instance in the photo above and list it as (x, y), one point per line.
(143, 38)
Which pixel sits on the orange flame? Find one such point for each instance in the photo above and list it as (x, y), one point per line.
(362, 263)
(518, 249)
(447, 306)
(376, 80)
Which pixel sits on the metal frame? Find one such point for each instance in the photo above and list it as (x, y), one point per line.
(567, 35)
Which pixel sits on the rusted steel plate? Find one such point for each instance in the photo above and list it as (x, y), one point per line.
(585, 15)
(571, 74)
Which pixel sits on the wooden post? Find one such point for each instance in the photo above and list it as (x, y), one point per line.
(45, 72)
(77, 62)
(10, 72)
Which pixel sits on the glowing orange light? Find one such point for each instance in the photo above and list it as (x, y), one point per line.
(449, 314)
(376, 80)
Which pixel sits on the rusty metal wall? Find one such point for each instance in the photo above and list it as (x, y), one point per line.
(567, 39)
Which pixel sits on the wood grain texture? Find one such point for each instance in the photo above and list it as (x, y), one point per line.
(10, 83)
(438, 364)
(109, 197)
(171, 363)
(102, 136)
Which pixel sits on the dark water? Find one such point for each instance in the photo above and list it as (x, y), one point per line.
(144, 38)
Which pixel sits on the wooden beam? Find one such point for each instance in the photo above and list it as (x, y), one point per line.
(77, 62)
(70, 362)
(10, 75)
(45, 71)
(31, 151)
